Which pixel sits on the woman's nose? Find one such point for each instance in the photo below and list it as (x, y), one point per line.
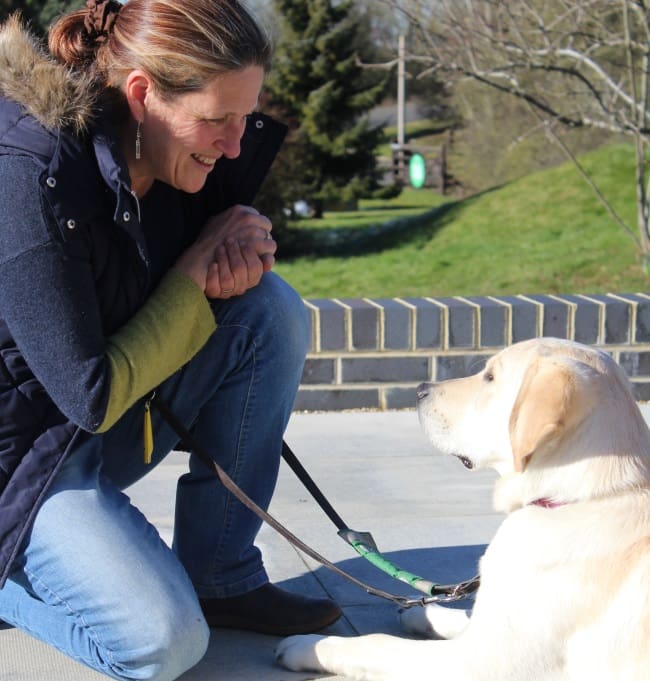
(230, 142)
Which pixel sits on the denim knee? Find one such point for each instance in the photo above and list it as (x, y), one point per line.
(166, 646)
(286, 310)
(275, 314)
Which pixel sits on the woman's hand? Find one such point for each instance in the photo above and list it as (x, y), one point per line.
(231, 254)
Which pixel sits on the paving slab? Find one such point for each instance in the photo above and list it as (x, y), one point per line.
(425, 511)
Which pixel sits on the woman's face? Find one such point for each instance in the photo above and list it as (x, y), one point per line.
(183, 138)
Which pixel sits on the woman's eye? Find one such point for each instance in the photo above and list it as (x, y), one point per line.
(224, 120)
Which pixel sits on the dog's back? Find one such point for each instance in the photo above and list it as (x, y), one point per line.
(611, 641)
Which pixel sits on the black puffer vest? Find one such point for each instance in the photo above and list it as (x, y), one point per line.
(83, 183)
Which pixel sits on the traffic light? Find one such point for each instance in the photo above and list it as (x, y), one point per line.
(419, 166)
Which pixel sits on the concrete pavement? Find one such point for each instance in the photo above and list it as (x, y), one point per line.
(425, 511)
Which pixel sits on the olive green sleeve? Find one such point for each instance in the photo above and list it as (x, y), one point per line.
(169, 329)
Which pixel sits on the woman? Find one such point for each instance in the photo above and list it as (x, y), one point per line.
(128, 265)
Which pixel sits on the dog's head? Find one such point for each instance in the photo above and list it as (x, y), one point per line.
(555, 418)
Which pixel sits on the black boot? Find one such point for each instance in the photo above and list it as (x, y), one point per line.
(270, 610)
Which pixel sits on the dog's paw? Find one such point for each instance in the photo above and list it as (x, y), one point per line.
(414, 621)
(298, 653)
(434, 621)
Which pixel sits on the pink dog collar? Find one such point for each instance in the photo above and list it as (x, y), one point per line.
(547, 503)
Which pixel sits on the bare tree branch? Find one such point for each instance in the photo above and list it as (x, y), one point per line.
(575, 63)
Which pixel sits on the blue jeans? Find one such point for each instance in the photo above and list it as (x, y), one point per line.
(94, 579)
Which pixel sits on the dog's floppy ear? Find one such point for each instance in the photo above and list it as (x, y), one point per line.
(541, 408)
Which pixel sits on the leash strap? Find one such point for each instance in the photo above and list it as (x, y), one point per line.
(364, 544)
(312, 487)
(364, 547)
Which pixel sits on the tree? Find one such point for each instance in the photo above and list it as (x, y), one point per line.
(574, 63)
(39, 13)
(26, 7)
(318, 85)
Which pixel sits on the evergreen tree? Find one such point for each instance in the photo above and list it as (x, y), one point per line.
(317, 83)
(26, 8)
(38, 13)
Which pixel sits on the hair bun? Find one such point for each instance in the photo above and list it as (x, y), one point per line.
(99, 20)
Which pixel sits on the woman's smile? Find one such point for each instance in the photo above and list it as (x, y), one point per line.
(206, 161)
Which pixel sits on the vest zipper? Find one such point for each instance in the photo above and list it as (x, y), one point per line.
(147, 430)
(137, 203)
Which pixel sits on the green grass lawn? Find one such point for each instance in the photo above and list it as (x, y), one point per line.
(545, 233)
(373, 211)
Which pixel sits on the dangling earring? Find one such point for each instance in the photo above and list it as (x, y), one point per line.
(138, 139)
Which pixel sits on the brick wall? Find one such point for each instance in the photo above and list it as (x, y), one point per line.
(372, 353)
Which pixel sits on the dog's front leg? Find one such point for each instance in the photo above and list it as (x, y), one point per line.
(298, 653)
(376, 657)
(435, 621)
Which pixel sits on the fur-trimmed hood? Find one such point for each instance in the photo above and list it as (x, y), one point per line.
(56, 96)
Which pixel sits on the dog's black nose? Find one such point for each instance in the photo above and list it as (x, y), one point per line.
(422, 390)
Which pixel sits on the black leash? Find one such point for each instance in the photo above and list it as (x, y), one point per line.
(311, 486)
(362, 542)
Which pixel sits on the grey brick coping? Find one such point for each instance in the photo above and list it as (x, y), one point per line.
(371, 353)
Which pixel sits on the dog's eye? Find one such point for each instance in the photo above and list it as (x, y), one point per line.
(488, 376)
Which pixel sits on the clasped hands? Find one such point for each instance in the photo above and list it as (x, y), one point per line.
(231, 253)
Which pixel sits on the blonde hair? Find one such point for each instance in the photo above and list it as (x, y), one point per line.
(181, 44)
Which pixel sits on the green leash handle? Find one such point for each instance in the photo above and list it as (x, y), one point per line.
(365, 547)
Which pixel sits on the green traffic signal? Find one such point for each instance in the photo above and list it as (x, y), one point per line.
(417, 171)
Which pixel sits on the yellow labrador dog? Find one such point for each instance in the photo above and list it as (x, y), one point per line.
(565, 583)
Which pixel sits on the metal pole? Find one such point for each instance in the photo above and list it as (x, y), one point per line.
(400, 91)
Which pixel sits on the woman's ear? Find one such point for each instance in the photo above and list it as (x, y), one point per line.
(136, 88)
